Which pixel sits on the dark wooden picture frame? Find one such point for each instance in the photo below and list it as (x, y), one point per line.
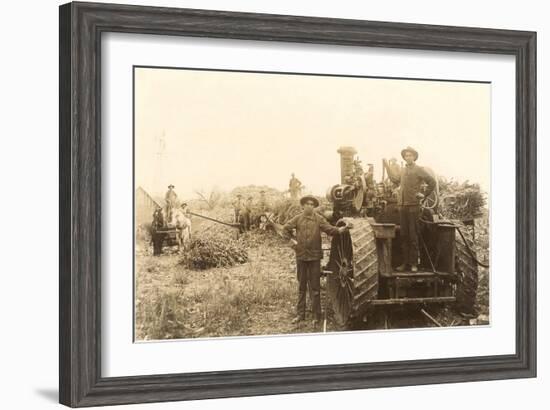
(81, 27)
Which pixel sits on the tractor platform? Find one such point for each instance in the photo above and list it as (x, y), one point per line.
(416, 275)
(416, 287)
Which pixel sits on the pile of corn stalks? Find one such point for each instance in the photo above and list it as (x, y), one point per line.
(461, 201)
(286, 210)
(205, 253)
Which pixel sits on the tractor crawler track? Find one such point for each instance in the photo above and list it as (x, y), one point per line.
(353, 282)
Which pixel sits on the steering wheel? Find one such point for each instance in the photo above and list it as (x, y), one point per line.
(432, 200)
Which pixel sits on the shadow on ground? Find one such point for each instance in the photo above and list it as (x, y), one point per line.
(49, 394)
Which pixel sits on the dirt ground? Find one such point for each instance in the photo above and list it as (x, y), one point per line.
(254, 298)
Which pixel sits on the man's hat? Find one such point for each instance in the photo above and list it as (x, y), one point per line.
(409, 149)
(239, 196)
(171, 186)
(262, 192)
(183, 204)
(309, 198)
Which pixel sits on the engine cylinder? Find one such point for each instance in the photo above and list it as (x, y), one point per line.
(346, 162)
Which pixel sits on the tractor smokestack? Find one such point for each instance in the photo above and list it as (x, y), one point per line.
(346, 162)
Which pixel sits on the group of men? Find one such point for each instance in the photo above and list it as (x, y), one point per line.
(308, 227)
(248, 214)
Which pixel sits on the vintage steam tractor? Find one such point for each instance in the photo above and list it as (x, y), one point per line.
(361, 272)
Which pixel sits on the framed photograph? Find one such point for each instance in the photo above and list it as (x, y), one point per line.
(259, 204)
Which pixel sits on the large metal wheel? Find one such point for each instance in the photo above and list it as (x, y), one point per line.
(466, 268)
(353, 281)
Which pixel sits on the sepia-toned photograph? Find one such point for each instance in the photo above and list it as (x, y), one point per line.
(291, 203)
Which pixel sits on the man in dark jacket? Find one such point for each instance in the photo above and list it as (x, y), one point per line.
(410, 196)
(308, 226)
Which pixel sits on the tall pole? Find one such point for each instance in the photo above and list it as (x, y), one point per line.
(160, 156)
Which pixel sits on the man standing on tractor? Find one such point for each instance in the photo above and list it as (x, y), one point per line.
(308, 226)
(409, 199)
(294, 187)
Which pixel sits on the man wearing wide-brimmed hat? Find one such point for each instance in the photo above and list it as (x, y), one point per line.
(409, 199)
(171, 199)
(308, 226)
(171, 195)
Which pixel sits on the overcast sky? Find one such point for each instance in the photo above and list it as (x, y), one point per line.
(226, 129)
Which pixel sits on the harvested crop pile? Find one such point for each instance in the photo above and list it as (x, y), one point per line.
(461, 201)
(261, 238)
(205, 253)
(286, 209)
